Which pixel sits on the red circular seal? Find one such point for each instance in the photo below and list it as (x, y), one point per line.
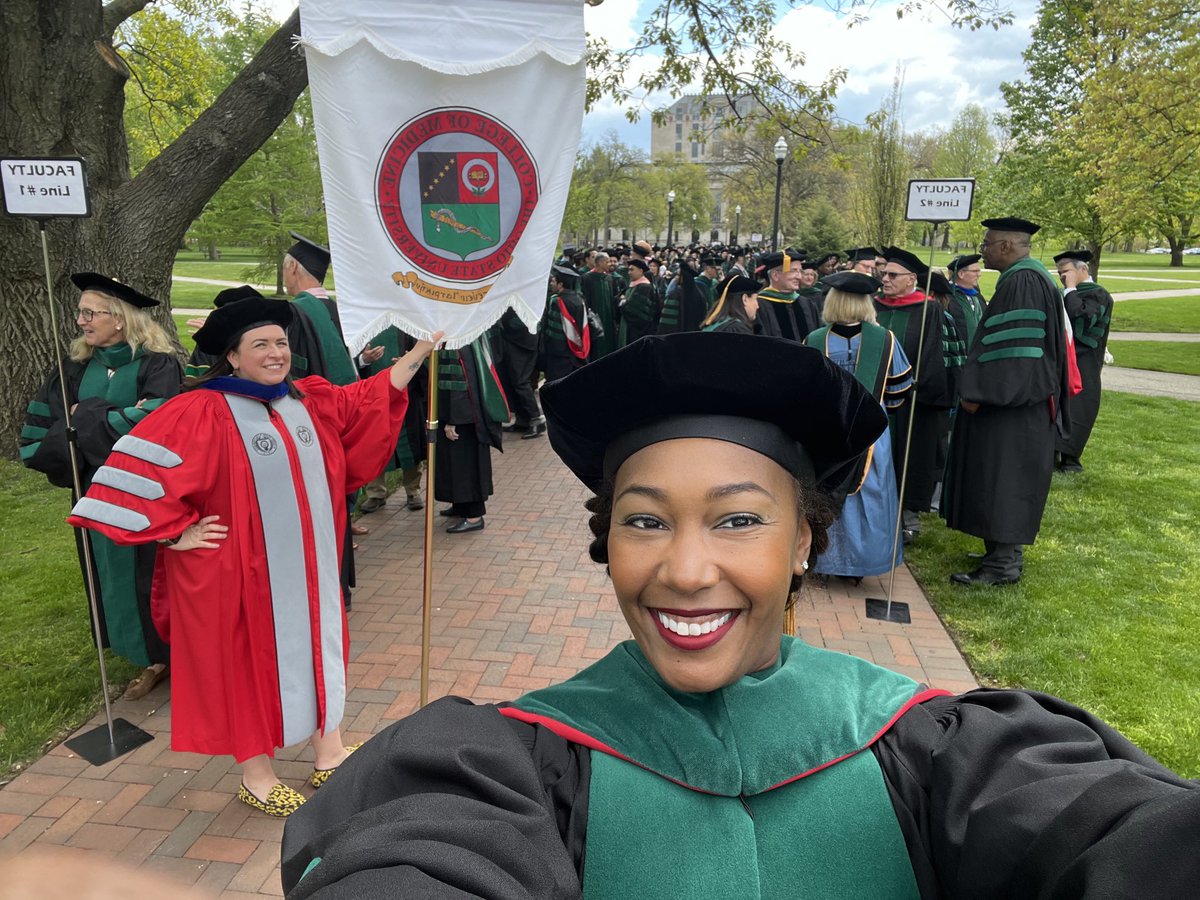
(455, 189)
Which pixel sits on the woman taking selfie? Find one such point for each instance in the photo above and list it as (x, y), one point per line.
(710, 756)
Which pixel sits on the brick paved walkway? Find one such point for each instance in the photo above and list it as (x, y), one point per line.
(517, 607)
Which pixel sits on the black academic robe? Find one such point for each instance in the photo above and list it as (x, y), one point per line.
(123, 573)
(998, 794)
(555, 357)
(686, 306)
(599, 293)
(639, 313)
(787, 315)
(464, 466)
(516, 363)
(1089, 307)
(934, 372)
(1001, 457)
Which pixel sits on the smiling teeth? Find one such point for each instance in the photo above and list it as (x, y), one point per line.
(693, 629)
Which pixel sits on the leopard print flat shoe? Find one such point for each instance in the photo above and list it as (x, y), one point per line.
(281, 802)
(320, 776)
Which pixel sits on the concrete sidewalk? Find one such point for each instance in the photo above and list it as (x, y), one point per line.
(518, 606)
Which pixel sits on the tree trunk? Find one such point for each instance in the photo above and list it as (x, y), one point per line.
(1097, 249)
(62, 94)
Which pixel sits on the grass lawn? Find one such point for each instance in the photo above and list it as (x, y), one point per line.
(1105, 614)
(1157, 356)
(49, 676)
(1177, 315)
(185, 332)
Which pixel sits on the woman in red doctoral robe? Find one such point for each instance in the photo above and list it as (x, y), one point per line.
(248, 473)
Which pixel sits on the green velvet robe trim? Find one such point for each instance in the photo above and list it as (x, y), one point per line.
(337, 358)
(811, 708)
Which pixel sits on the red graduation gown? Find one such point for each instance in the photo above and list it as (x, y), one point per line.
(229, 665)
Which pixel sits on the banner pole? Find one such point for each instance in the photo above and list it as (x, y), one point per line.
(77, 482)
(885, 609)
(431, 437)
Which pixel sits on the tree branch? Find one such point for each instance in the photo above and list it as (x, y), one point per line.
(174, 187)
(117, 11)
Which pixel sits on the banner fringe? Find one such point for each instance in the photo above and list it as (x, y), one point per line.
(529, 51)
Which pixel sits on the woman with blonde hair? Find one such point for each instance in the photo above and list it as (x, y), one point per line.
(861, 540)
(121, 367)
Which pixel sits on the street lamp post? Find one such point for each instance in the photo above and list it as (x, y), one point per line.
(695, 232)
(670, 215)
(780, 153)
(737, 224)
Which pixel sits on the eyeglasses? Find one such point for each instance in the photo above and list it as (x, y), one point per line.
(894, 274)
(88, 314)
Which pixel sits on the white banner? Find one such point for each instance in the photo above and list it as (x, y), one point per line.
(447, 133)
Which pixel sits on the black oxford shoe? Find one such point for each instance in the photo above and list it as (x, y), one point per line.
(981, 576)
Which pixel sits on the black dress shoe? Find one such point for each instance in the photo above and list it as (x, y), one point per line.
(535, 430)
(466, 525)
(448, 511)
(982, 576)
(515, 427)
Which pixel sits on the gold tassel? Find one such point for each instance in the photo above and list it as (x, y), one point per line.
(789, 621)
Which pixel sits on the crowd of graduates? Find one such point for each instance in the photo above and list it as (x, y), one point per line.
(910, 334)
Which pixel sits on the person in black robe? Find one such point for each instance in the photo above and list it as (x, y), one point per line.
(563, 334)
(992, 794)
(782, 311)
(517, 365)
(1013, 395)
(1089, 308)
(736, 307)
(686, 302)
(470, 429)
(904, 310)
(639, 310)
(119, 370)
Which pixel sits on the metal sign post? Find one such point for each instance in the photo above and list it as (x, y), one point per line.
(45, 188)
(936, 201)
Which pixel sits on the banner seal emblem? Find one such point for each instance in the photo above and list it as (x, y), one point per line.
(455, 189)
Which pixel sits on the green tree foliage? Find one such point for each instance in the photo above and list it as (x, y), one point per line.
(279, 188)
(1140, 122)
(882, 175)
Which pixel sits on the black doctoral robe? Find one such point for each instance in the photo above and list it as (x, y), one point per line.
(1001, 457)
(123, 573)
(935, 373)
(1089, 307)
(998, 794)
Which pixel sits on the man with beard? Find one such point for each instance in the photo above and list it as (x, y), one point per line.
(1089, 307)
(1014, 388)
(921, 327)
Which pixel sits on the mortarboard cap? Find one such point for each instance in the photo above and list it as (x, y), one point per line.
(815, 420)
(234, 294)
(852, 282)
(1010, 223)
(226, 324)
(858, 254)
(939, 284)
(94, 281)
(826, 257)
(311, 255)
(1083, 256)
(641, 263)
(961, 262)
(565, 274)
(902, 257)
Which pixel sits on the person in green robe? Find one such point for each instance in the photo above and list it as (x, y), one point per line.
(639, 312)
(1089, 308)
(304, 269)
(967, 303)
(707, 280)
(121, 368)
(597, 289)
(713, 756)
(736, 307)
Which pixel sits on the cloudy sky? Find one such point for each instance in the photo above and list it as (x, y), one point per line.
(944, 68)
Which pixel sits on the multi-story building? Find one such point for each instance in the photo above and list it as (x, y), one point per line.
(695, 131)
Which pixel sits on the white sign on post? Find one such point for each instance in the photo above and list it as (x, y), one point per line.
(940, 199)
(756, 238)
(45, 187)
